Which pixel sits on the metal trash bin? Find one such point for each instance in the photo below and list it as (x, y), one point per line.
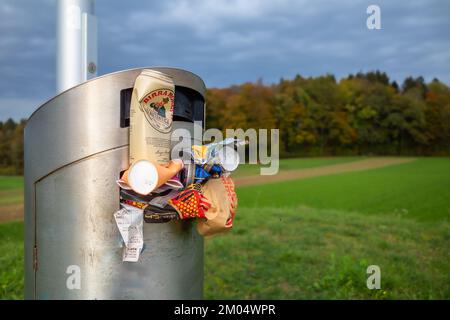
(76, 145)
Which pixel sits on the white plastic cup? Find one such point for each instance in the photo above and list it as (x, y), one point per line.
(228, 158)
(143, 177)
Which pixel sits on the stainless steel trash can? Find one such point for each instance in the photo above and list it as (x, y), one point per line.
(76, 145)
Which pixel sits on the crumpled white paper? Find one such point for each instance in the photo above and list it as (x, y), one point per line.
(130, 222)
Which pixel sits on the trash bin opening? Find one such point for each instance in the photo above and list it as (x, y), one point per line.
(189, 105)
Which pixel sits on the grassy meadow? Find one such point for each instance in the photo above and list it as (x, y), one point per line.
(11, 240)
(314, 238)
(245, 170)
(11, 260)
(11, 190)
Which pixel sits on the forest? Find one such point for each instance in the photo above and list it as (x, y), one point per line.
(362, 114)
(11, 147)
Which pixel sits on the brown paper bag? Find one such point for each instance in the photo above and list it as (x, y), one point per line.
(222, 196)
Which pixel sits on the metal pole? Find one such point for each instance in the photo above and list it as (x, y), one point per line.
(76, 43)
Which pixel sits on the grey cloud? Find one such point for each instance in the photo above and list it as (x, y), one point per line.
(18, 108)
(229, 42)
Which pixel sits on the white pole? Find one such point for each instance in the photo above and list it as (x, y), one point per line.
(76, 43)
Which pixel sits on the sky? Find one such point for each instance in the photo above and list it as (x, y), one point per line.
(227, 41)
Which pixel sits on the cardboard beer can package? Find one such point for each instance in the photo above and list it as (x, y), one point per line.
(151, 113)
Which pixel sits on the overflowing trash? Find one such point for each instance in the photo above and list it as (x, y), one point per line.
(155, 193)
(155, 189)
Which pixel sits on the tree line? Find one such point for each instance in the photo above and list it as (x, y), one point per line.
(362, 114)
(11, 147)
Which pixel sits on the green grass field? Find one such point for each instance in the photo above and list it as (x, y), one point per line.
(419, 189)
(11, 182)
(11, 190)
(11, 260)
(245, 170)
(314, 238)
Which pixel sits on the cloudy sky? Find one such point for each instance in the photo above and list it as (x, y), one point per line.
(228, 41)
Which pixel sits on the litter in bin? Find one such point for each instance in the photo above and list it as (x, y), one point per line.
(154, 214)
(187, 174)
(151, 117)
(190, 203)
(133, 203)
(156, 190)
(135, 244)
(133, 196)
(203, 173)
(144, 176)
(210, 152)
(221, 193)
(174, 182)
(211, 162)
(129, 220)
(162, 200)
